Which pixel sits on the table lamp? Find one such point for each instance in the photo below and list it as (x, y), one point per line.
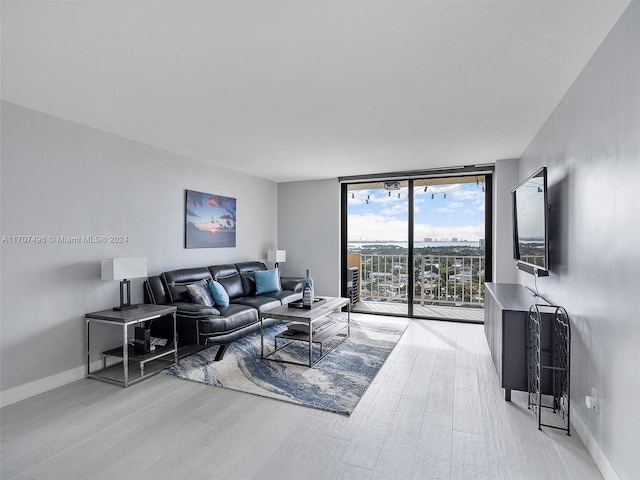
(122, 269)
(276, 256)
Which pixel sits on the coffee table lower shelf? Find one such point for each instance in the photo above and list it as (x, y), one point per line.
(328, 333)
(338, 328)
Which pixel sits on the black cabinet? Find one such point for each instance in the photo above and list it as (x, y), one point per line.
(505, 326)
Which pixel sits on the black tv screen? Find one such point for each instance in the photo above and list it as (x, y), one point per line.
(530, 234)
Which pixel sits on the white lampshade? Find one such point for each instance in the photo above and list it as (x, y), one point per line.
(276, 256)
(123, 268)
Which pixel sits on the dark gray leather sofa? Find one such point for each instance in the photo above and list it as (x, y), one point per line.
(206, 326)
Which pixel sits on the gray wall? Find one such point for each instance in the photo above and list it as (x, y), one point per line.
(505, 179)
(309, 230)
(60, 178)
(591, 144)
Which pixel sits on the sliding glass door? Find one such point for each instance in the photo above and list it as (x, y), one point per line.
(449, 244)
(377, 220)
(419, 246)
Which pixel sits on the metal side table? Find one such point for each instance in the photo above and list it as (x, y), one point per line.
(133, 366)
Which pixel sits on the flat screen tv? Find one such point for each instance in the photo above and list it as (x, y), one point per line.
(530, 231)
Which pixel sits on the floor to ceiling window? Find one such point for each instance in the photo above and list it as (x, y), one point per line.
(420, 246)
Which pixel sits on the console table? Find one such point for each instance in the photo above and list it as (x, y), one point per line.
(144, 365)
(506, 312)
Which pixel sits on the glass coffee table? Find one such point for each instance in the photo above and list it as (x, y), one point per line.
(329, 331)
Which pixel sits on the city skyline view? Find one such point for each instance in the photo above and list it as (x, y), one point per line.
(442, 213)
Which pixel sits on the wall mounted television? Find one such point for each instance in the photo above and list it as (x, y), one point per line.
(530, 225)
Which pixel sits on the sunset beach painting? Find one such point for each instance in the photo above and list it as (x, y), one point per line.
(210, 220)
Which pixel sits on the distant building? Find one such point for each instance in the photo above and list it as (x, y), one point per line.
(454, 239)
(481, 243)
(428, 239)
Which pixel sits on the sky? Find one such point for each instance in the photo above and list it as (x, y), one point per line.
(211, 213)
(460, 215)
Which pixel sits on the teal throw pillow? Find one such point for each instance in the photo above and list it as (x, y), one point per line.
(267, 281)
(219, 294)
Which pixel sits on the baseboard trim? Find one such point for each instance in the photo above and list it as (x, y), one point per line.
(589, 440)
(31, 389)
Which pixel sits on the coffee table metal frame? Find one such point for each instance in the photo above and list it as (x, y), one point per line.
(287, 314)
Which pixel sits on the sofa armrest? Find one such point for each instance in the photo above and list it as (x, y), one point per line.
(292, 283)
(194, 310)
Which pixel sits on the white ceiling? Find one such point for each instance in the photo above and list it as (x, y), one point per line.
(293, 90)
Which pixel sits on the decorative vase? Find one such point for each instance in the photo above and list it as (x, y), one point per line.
(307, 290)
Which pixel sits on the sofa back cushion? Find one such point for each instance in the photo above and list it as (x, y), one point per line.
(222, 271)
(247, 270)
(248, 267)
(229, 277)
(176, 282)
(233, 285)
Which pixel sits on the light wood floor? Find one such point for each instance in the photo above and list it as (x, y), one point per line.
(435, 410)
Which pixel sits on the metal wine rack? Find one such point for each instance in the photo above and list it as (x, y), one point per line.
(549, 358)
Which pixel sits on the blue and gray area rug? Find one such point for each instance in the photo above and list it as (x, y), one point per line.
(336, 383)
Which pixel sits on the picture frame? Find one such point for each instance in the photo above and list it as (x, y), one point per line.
(209, 220)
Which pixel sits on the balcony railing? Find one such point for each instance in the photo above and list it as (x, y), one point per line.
(438, 279)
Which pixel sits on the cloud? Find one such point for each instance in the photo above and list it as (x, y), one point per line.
(372, 226)
(399, 209)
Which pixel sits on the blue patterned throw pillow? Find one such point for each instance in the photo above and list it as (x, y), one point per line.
(267, 281)
(200, 293)
(220, 295)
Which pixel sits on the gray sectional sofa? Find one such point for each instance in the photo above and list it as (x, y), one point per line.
(205, 326)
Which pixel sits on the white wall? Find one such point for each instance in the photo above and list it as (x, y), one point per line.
(591, 145)
(61, 178)
(309, 230)
(505, 179)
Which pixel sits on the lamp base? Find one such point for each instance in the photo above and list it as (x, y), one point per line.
(125, 285)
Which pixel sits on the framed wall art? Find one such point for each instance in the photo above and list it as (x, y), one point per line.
(210, 220)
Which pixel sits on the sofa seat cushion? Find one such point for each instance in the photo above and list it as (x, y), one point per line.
(259, 302)
(234, 317)
(186, 309)
(285, 296)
